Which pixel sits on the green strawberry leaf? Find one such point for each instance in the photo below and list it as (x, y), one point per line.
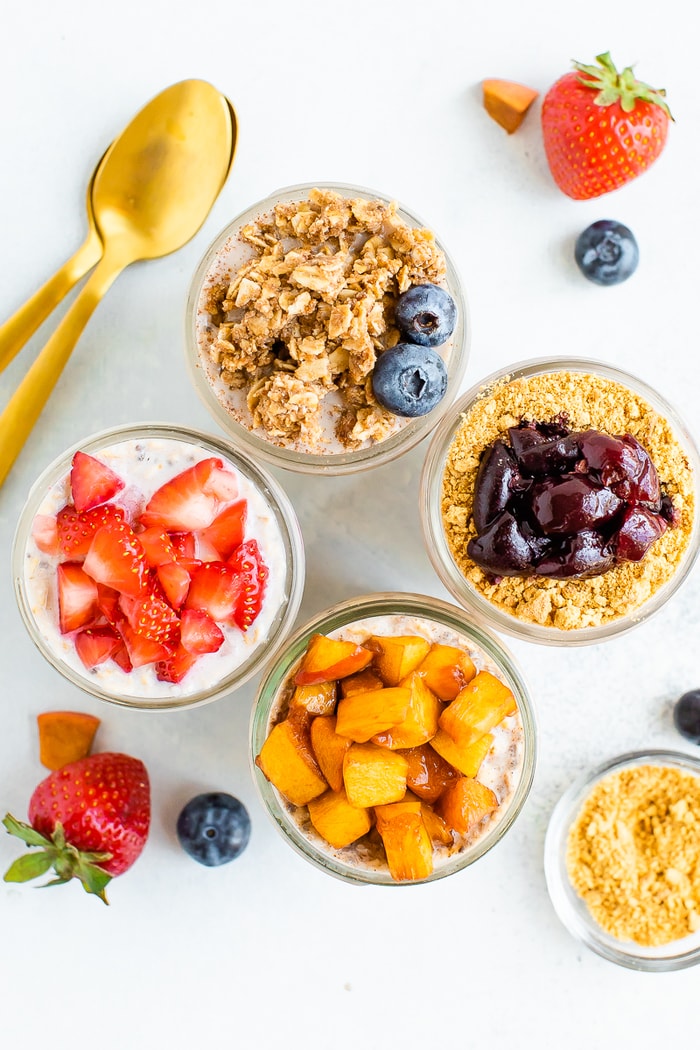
(612, 86)
(25, 832)
(29, 867)
(94, 880)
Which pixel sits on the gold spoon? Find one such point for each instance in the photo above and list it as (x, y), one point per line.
(154, 190)
(15, 332)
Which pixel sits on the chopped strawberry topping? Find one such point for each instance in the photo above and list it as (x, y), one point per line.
(45, 533)
(199, 633)
(183, 542)
(214, 589)
(94, 645)
(76, 531)
(92, 482)
(116, 559)
(157, 546)
(121, 659)
(151, 617)
(142, 650)
(183, 504)
(227, 530)
(77, 597)
(175, 581)
(108, 603)
(251, 571)
(222, 484)
(175, 667)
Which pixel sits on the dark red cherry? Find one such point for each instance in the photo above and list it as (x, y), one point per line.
(668, 512)
(639, 529)
(557, 455)
(502, 549)
(497, 476)
(580, 557)
(642, 481)
(572, 503)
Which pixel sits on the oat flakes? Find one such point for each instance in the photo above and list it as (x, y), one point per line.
(312, 310)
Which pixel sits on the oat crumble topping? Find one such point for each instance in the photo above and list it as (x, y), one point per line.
(313, 309)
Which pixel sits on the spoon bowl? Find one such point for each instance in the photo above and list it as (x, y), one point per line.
(150, 195)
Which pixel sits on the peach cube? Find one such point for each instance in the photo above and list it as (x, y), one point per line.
(446, 670)
(397, 656)
(409, 851)
(361, 682)
(477, 708)
(318, 699)
(465, 804)
(328, 658)
(337, 821)
(362, 715)
(373, 776)
(466, 759)
(287, 760)
(329, 749)
(428, 772)
(421, 721)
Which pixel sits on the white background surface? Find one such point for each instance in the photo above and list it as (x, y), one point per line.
(267, 951)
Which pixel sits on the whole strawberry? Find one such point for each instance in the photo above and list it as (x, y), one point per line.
(91, 820)
(602, 128)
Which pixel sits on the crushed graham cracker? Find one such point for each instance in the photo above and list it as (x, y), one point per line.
(633, 854)
(310, 311)
(589, 402)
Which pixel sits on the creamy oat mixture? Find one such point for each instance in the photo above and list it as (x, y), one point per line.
(500, 771)
(587, 401)
(293, 315)
(145, 465)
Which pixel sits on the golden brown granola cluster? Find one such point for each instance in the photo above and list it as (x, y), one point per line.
(312, 310)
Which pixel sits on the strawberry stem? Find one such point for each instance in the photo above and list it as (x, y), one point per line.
(67, 861)
(612, 86)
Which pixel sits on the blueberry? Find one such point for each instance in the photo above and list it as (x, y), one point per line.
(426, 314)
(686, 715)
(213, 828)
(606, 252)
(409, 380)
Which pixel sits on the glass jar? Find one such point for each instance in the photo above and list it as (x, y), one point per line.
(409, 614)
(169, 450)
(228, 407)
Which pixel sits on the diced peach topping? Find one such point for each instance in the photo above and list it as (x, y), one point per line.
(329, 658)
(373, 776)
(287, 760)
(466, 759)
(446, 670)
(507, 102)
(337, 821)
(65, 736)
(465, 804)
(362, 715)
(329, 749)
(421, 721)
(477, 708)
(397, 656)
(395, 730)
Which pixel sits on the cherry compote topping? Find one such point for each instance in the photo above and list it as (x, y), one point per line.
(565, 504)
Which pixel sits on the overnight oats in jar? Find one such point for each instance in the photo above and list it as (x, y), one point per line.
(559, 501)
(393, 740)
(327, 329)
(156, 566)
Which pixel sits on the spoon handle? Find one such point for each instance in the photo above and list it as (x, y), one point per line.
(15, 332)
(25, 405)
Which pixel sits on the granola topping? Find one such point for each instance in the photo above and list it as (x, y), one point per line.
(297, 326)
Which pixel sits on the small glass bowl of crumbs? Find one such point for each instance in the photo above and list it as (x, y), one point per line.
(558, 501)
(291, 309)
(622, 857)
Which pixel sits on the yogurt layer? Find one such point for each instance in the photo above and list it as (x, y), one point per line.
(144, 465)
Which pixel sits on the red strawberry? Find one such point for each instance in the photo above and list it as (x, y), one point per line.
(121, 659)
(91, 817)
(94, 645)
(199, 634)
(183, 542)
(77, 597)
(175, 581)
(227, 530)
(45, 533)
(151, 617)
(157, 546)
(184, 503)
(602, 128)
(175, 667)
(92, 482)
(76, 531)
(108, 603)
(251, 571)
(116, 559)
(215, 590)
(141, 650)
